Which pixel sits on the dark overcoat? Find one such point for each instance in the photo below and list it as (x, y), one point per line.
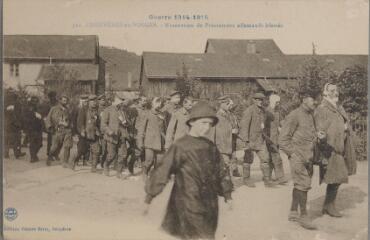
(200, 177)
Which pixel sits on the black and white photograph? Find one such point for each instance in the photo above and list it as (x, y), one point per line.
(184, 119)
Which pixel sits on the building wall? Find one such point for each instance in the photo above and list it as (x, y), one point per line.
(27, 74)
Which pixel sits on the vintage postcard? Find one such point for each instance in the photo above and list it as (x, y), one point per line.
(155, 120)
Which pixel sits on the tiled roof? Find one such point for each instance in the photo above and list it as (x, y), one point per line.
(337, 63)
(166, 65)
(54, 46)
(76, 72)
(263, 47)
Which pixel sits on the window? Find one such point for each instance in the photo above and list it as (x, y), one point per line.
(11, 69)
(17, 70)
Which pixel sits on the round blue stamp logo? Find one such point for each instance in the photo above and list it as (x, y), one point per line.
(10, 213)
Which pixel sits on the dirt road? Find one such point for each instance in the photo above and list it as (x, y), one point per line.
(57, 203)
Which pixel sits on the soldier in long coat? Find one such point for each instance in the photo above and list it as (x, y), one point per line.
(78, 116)
(151, 136)
(177, 127)
(59, 122)
(12, 124)
(200, 177)
(252, 128)
(33, 125)
(332, 119)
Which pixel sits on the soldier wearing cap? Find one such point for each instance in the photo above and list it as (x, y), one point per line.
(151, 136)
(297, 139)
(59, 123)
(78, 117)
(177, 127)
(142, 108)
(33, 125)
(252, 127)
(102, 104)
(172, 105)
(52, 101)
(114, 126)
(88, 126)
(200, 176)
(223, 134)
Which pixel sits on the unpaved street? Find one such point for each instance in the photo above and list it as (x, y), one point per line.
(57, 203)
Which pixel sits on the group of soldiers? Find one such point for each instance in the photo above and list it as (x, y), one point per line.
(124, 131)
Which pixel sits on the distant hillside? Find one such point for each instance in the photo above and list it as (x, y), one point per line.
(120, 64)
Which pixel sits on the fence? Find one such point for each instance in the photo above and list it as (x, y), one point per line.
(359, 127)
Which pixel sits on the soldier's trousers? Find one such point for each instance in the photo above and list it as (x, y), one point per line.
(116, 150)
(12, 139)
(94, 153)
(83, 147)
(151, 159)
(264, 157)
(62, 138)
(35, 141)
(300, 177)
(103, 151)
(276, 164)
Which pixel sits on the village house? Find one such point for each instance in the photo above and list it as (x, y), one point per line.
(233, 66)
(40, 63)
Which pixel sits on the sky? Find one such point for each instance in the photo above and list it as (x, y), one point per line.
(334, 26)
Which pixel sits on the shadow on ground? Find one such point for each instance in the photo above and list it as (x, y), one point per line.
(347, 198)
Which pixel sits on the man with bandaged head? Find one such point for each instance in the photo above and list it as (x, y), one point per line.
(338, 158)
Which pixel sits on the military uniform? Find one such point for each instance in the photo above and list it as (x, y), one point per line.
(222, 136)
(252, 128)
(297, 139)
(52, 102)
(273, 120)
(151, 138)
(103, 142)
(33, 125)
(59, 123)
(79, 117)
(114, 125)
(177, 127)
(88, 126)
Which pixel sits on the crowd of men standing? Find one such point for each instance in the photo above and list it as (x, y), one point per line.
(126, 132)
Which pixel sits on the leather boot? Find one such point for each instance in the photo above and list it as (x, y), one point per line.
(267, 177)
(329, 204)
(304, 220)
(246, 175)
